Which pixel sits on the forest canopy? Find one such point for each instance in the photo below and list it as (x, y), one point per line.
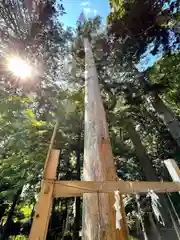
(141, 101)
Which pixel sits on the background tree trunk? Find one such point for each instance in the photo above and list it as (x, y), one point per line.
(7, 225)
(150, 175)
(145, 162)
(168, 117)
(141, 219)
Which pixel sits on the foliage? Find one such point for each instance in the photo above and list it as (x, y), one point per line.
(143, 26)
(19, 237)
(166, 72)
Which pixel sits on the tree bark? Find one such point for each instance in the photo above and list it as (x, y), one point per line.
(153, 232)
(5, 233)
(66, 223)
(164, 112)
(168, 117)
(141, 219)
(149, 172)
(145, 162)
(98, 213)
(64, 217)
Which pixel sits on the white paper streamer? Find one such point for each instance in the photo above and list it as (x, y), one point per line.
(74, 208)
(155, 205)
(118, 209)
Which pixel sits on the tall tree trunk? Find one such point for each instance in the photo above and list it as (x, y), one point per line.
(66, 225)
(64, 218)
(141, 219)
(164, 112)
(145, 162)
(77, 220)
(149, 172)
(153, 230)
(168, 117)
(98, 213)
(6, 228)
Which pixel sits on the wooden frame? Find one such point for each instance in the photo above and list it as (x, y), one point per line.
(77, 188)
(43, 207)
(53, 189)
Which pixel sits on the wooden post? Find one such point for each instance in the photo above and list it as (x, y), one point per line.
(98, 210)
(43, 208)
(173, 169)
(174, 172)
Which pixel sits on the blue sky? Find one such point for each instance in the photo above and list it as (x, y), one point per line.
(90, 8)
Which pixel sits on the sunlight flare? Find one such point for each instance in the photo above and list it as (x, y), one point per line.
(19, 67)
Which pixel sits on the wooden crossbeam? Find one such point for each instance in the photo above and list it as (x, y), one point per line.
(78, 188)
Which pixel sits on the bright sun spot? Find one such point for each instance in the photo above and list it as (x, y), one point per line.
(19, 67)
